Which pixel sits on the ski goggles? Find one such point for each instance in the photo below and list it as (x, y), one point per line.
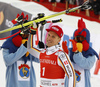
(79, 38)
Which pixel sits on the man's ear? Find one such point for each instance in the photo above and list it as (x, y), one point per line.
(59, 39)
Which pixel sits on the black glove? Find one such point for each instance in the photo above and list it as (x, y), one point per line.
(26, 31)
(41, 44)
(32, 32)
(25, 44)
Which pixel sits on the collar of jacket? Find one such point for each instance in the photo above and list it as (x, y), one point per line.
(53, 49)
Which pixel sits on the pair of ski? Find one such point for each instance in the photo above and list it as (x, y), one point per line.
(30, 23)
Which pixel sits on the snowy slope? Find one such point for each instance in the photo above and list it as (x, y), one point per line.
(69, 21)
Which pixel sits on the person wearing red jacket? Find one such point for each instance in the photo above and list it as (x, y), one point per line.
(54, 63)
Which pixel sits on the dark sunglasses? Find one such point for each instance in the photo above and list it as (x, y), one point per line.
(79, 38)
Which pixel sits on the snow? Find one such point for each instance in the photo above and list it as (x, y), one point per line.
(70, 21)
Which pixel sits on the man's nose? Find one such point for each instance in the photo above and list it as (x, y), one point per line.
(49, 38)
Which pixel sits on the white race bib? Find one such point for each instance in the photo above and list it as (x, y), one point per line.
(80, 77)
(23, 70)
(51, 82)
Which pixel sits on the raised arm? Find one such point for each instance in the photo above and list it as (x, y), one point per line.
(31, 49)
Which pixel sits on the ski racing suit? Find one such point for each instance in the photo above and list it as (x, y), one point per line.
(54, 65)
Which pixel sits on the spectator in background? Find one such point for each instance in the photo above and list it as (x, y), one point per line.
(67, 4)
(79, 2)
(70, 2)
(54, 0)
(54, 3)
(62, 1)
(96, 6)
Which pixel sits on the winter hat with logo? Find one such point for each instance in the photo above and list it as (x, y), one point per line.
(58, 30)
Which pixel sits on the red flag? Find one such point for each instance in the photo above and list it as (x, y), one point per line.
(97, 66)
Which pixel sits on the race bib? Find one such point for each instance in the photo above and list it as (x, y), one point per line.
(23, 71)
(44, 82)
(80, 78)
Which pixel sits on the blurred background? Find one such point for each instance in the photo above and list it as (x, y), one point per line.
(10, 8)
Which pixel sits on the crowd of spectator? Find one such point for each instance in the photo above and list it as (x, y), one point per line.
(96, 6)
(94, 3)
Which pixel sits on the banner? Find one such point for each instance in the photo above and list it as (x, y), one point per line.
(7, 14)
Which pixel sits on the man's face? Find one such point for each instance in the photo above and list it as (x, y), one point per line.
(52, 39)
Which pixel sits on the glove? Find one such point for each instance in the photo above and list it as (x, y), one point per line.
(74, 45)
(41, 44)
(64, 46)
(33, 30)
(26, 31)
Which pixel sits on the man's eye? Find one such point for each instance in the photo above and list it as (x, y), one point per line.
(48, 34)
(53, 36)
